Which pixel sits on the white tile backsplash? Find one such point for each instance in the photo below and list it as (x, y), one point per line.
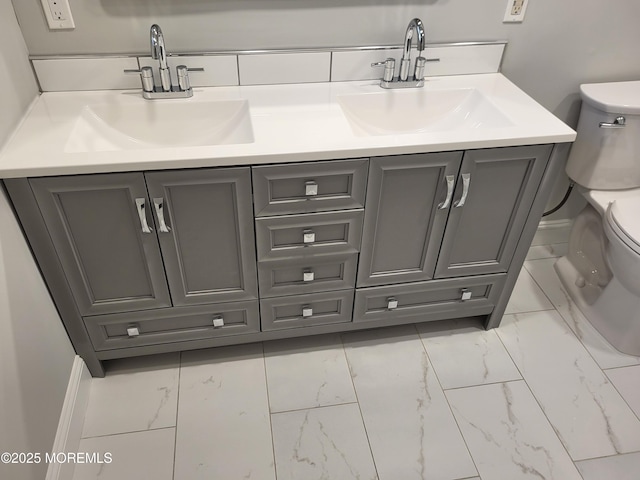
(356, 64)
(451, 60)
(271, 68)
(68, 74)
(219, 70)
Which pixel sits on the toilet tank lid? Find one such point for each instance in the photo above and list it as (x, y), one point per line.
(625, 214)
(613, 97)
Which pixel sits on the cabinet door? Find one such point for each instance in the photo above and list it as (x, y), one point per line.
(484, 228)
(205, 227)
(405, 215)
(97, 225)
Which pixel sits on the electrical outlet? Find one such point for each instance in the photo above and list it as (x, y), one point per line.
(58, 14)
(515, 11)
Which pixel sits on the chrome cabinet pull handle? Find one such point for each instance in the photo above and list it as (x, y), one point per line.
(619, 122)
(466, 181)
(133, 331)
(158, 203)
(308, 275)
(218, 321)
(450, 183)
(140, 202)
(308, 236)
(392, 303)
(307, 311)
(310, 188)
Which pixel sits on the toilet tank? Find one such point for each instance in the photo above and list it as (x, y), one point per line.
(607, 158)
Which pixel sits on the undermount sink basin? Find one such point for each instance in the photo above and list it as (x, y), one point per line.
(161, 123)
(392, 112)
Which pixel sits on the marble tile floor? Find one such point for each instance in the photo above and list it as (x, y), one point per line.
(541, 397)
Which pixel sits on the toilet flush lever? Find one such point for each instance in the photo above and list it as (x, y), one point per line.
(619, 122)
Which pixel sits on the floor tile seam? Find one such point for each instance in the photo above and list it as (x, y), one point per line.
(604, 372)
(266, 386)
(535, 398)
(497, 382)
(524, 265)
(435, 373)
(602, 457)
(129, 433)
(355, 392)
(175, 438)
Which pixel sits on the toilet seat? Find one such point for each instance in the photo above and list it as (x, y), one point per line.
(624, 221)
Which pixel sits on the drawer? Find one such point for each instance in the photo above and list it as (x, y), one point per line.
(474, 295)
(315, 274)
(306, 310)
(152, 327)
(292, 236)
(309, 187)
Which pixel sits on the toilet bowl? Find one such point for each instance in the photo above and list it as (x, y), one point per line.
(601, 271)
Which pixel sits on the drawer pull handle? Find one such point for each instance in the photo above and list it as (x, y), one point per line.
(142, 215)
(307, 311)
(466, 294)
(451, 180)
(218, 321)
(308, 236)
(392, 303)
(310, 188)
(133, 331)
(466, 181)
(308, 275)
(158, 203)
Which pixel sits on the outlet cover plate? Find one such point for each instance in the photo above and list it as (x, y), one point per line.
(515, 11)
(58, 14)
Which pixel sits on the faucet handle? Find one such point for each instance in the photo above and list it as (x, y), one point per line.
(389, 68)
(419, 69)
(183, 76)
(146, 76)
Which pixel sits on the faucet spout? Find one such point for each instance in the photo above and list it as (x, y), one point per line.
(415, 25)
(159, 52)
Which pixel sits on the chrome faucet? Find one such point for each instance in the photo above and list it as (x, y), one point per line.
(403, 80)
(165, 90)
(416, 26)
(159, 52)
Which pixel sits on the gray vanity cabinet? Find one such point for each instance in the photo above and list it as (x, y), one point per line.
(442, 215)
(204, 222)
(484, 227)
(137, 241)
(160, 261)
(96, 226)
(407, 205)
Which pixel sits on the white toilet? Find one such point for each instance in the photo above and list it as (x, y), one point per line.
(601, 271)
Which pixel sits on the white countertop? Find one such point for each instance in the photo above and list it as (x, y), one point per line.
(291, 123)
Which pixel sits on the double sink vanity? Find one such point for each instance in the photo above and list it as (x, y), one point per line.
(251, 213)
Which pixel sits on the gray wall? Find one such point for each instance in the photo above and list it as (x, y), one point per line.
(35, 353)
(560, 45)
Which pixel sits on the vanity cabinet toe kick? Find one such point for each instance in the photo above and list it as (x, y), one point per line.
(148, 262)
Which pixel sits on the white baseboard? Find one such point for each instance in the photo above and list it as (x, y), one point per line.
(552, 232)
(71, 421)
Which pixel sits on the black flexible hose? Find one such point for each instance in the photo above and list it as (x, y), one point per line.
(562, 202)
